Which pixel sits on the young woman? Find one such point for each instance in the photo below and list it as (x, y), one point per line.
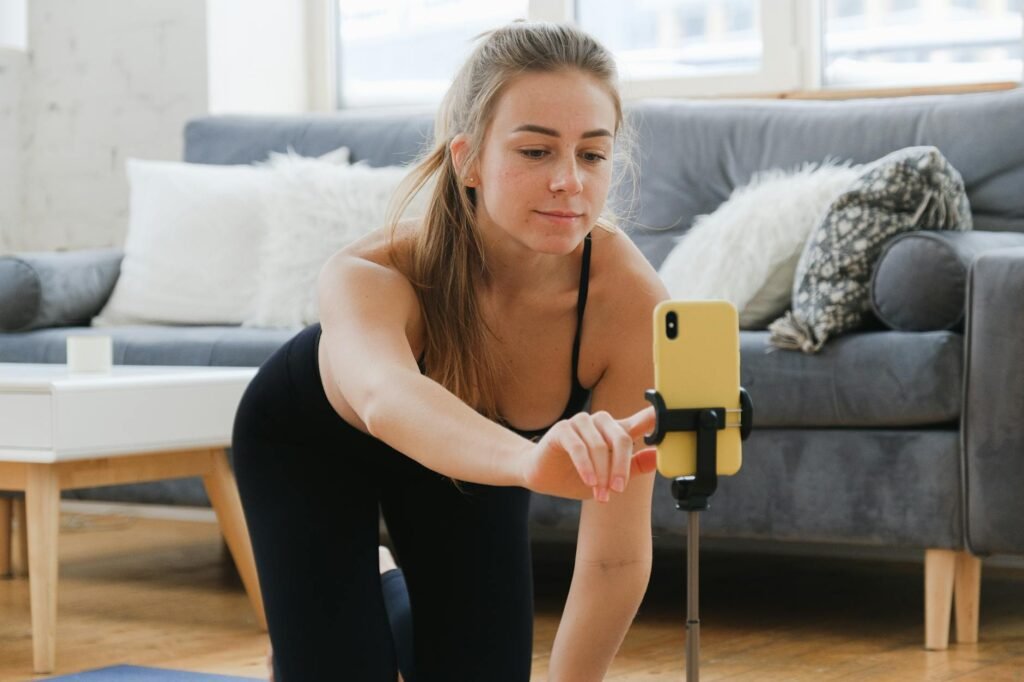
(447, 380)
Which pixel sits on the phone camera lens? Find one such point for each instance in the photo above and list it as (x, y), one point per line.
(671, 325)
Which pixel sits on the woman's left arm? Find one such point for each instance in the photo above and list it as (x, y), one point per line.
(613, 550)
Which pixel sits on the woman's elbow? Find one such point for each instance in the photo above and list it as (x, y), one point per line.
(379, 402)
(370, 403)
(636, 567)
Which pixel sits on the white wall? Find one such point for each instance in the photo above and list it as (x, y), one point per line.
(108, 79)
(12, 66)
(257, 59)
(105, 80)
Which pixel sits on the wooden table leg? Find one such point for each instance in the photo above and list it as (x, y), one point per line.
(223, 491)
(19, 543)
(42, 513)
(6, 517)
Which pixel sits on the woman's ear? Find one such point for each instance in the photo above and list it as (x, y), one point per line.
(459, 148)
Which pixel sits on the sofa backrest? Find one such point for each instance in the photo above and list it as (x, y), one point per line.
(691, 154)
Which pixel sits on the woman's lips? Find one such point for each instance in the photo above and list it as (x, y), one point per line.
(560, 216)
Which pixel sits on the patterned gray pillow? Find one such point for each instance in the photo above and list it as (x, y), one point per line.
(911, 189)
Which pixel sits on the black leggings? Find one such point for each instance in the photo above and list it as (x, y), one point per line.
(313, 487)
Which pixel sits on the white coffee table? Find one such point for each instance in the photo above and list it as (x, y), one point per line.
(135, 423)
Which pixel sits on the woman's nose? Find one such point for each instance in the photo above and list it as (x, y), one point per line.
(567, 178)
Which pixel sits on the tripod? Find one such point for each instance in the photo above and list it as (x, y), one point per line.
(693, 492)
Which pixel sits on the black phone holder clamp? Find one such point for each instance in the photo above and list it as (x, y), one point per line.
(692, 492)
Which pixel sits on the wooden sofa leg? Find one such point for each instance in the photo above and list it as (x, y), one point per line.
(967, 597)
(939, 572)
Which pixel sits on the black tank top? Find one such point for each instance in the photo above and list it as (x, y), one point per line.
(579, 395)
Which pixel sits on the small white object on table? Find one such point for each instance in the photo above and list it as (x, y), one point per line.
(61, 429)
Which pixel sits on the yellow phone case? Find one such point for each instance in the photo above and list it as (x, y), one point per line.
(700, 367)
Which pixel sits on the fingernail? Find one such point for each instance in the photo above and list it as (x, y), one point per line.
(602, 495)
(597, 495)
(618, 484)
(591, 479)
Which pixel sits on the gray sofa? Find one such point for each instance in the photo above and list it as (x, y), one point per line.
(909, 439)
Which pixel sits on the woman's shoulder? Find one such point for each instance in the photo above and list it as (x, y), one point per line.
(389, 247)
(364, 279)
(619, 269)
(374, 265)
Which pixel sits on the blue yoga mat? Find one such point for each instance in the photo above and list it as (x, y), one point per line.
(133, 673)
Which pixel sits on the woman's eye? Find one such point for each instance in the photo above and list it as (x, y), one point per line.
(533, 153)
(594, 157)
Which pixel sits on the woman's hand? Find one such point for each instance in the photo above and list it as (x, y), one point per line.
(590, 454)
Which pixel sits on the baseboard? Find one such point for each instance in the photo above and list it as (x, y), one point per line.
(567, 537)
(140, 511)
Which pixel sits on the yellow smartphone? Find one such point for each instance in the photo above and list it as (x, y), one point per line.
(697, 364)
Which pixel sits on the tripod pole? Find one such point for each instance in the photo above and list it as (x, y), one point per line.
(692, 597)
(692, 492)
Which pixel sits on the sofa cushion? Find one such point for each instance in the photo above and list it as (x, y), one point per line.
(155, 345)
(876, 379)
(378, 139)
(868, 379)
(52, 289)
(920, 281)
(693, 154)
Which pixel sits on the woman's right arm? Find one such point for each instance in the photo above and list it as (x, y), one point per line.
(365, 312)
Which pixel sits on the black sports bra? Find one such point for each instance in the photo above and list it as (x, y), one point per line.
(579, 395)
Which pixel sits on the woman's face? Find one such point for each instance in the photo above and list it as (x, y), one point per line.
(543, 174)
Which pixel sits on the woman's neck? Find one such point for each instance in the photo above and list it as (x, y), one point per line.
(513, 268)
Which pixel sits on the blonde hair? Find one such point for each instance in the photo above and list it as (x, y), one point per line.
(448, 254)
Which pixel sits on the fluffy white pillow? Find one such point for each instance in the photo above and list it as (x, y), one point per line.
(746, 252)
(191, 253)
(316, 209)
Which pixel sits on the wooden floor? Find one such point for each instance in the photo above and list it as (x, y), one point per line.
(161, 593)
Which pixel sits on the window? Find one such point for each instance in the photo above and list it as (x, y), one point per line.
(902, 5)
(395, 52)
(406, 51)
(921, 43)
(676, 38)
(849, 8)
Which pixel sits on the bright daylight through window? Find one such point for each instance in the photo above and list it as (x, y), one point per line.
(394, 52)
(868, 43)
(665, 38)
(405, 51)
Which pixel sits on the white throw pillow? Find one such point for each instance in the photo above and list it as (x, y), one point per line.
(315, 210)
(746, 252)
(191, 253)
(192, 250)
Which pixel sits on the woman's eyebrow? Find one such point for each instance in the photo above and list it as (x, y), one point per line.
(531, 128)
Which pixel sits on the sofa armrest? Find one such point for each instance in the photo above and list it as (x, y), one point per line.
(55, 288)
(993, 427)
